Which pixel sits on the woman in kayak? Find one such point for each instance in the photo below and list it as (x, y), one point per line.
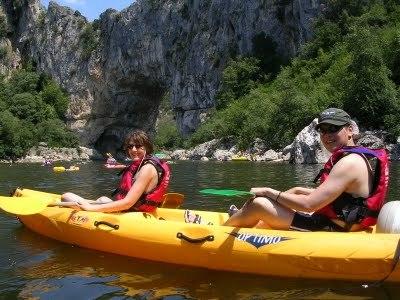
(143, 183)
(349, 197)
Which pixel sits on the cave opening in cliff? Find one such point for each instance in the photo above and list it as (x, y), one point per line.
(137, 104)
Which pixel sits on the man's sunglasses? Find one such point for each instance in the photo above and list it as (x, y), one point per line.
(130, 146)
(329, 128)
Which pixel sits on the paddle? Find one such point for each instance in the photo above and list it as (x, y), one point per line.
(22, 205)
(226, 192)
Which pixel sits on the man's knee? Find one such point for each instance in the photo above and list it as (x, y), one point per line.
(66, 196)
(261, 203)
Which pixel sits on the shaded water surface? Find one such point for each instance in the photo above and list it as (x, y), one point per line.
(32, 266)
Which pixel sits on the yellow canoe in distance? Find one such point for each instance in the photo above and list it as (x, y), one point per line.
(63, 169)
(240, 158)
(164, 236)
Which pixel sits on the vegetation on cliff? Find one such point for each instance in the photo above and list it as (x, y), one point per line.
(167, 136)
(32, 107)
(353, 62)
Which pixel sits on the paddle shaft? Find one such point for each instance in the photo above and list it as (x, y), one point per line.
(226, 192)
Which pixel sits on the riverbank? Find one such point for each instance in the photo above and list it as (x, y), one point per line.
(306, 148)
(42, 153)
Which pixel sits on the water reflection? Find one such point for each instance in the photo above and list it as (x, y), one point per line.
(85, 274)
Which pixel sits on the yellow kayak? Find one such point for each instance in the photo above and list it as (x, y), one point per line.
(240, 158)
(63, 169)
(164, 236)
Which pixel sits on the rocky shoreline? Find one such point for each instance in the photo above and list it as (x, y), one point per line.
(305, 149)
(42, 152)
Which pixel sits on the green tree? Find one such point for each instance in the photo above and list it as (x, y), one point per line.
(55, 134)
(238, 78)
(168, 136)
(24, 81)
(31, 105)
(53, 95)
(31, 108)
(16, 136)
(371, 95)
(89, 39)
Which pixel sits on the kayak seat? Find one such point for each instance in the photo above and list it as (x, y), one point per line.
(172, 200)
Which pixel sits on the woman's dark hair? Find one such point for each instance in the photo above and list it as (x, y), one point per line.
(138, 137)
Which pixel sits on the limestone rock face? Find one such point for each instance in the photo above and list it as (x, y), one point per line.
(117, 68)
(307, 147)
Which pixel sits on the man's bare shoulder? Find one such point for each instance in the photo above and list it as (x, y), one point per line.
(351, 161)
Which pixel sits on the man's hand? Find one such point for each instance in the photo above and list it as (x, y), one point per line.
(259, 191)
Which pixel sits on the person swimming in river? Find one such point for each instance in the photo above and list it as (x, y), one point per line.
(111, 163)
(110, 159)
(47, 162)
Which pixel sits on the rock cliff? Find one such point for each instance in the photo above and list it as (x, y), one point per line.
(117, 69)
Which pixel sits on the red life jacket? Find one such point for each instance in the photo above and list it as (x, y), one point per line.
(358, 210)
(148, 202)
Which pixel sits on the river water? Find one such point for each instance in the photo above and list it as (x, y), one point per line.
(32, 266)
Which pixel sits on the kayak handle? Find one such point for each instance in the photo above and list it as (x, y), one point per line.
(208, 238)
(98, 223)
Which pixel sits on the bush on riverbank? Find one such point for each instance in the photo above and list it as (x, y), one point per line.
(353, 62)
(32, 106)
(167, 134)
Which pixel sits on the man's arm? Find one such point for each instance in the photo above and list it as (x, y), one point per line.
(344, 173)
(300, 190)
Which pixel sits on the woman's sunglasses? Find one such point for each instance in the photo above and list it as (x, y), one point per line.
(137, 146)
(329, 128)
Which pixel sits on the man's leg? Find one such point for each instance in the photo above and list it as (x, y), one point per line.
(270, 213)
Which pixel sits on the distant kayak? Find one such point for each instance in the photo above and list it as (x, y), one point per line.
(239, 158)
(63, 169)
(114, 166)
(160, 155)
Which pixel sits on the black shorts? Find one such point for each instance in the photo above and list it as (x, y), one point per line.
(305, 222)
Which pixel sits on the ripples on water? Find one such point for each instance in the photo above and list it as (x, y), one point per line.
(32, 266)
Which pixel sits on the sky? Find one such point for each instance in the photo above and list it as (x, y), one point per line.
(92, 9)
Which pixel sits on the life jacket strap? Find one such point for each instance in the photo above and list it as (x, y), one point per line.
(144, 201)
(116, 191)
(316, 179)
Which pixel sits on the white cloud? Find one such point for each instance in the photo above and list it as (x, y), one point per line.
(78, 2)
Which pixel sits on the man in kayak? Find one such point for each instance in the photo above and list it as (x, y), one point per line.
(353, 187)
(143, 183)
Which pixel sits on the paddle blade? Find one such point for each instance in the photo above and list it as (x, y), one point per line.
(226, 192)
(23, 206)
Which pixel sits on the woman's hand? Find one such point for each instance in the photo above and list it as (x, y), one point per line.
(75, 206)
(87, 206)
